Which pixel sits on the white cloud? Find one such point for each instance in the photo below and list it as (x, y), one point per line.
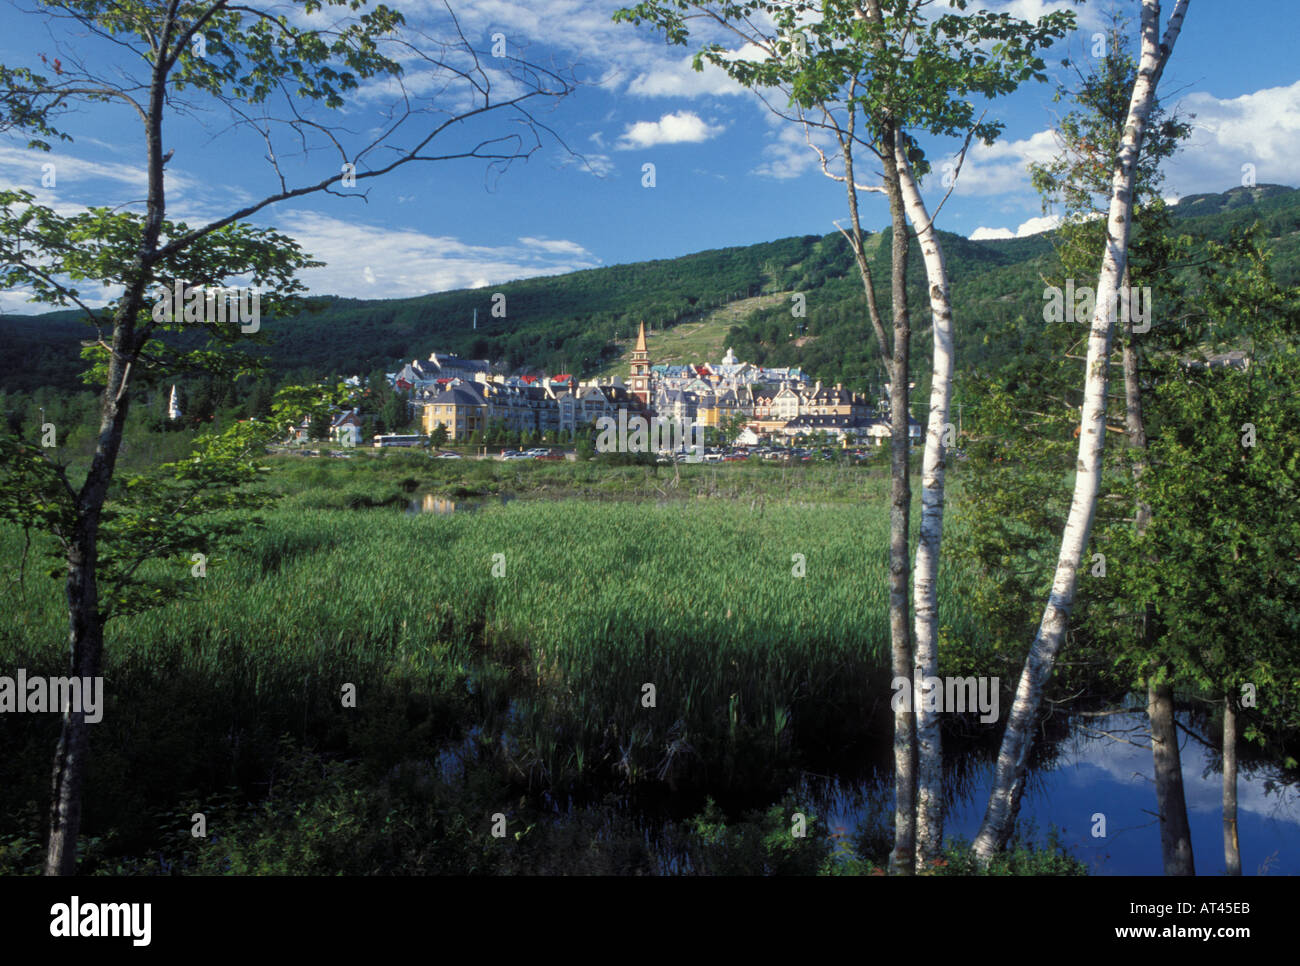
(1260, 129)
(555, 246)
(24, 168)
(680, 127)
(788, 154)
(680, 79)
(1001, 167)
(1033, 226)
(369, 261)
(984, 234)
(613, 56)
(598, 164)
(80, 183)
(1036, 226)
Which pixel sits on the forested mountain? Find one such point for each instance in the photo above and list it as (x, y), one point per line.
(997, 289)
(569, 322)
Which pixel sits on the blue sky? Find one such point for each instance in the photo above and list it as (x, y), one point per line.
(726, 171)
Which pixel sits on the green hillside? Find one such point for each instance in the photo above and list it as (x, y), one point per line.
(702, 339)
(582, 322)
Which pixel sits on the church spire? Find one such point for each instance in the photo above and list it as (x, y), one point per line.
(641, 368)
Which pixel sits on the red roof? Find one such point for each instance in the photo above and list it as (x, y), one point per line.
(561, 378)
(528, 379)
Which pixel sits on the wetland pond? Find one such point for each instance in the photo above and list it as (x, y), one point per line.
(1083, 767)
(1088, 772)
(1072, 779)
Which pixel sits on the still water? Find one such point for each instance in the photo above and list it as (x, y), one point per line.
(430, 503)
(1091, 773)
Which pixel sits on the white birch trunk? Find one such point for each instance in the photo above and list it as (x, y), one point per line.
(925, 577)
(1231, 847)
(1009, 775)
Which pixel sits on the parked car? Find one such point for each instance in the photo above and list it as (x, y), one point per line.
(448, 455)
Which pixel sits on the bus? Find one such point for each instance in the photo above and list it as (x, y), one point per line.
(393, 439)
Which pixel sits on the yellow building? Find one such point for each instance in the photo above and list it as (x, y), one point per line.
(707, 412)
(460, 409)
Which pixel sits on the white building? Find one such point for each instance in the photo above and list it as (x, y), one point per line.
(345, 429)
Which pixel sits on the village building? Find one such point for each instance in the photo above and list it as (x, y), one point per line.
(345, 428)
(466, 397)
(461, 409)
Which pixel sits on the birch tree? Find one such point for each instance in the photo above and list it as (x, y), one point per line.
(1013, 756)
(279, 74)
(871, 75)
(1164, 612)
(925, 581)
(1090, 140)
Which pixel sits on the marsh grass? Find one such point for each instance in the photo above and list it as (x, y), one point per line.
(382, 473)
(757, 673)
